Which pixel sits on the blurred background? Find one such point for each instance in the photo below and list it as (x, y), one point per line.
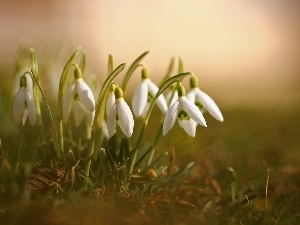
(245, 53)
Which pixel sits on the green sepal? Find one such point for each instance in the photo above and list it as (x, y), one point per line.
(193, 82)
(118, 93)
(77, 73)
(145, 73)
(23, 81)
(181, 90)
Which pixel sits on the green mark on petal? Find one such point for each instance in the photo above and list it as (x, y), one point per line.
(201, 107)
(76, 96)
(183, 115)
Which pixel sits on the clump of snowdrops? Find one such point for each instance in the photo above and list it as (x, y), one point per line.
(107, 159)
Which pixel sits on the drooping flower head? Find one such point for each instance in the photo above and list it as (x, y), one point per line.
(82, 98)
(110, 98)
(187, 114)
(144, 95)
(121, 114)
(203, 101)
(23, 105)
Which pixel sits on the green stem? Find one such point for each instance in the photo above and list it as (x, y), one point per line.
(151, 147)
(19, 147)
(133, 159)
(88, 163)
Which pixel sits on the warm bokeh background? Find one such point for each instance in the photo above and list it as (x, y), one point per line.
(243, 52)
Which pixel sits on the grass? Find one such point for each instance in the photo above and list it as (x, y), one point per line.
(247, 151)
(246, 171)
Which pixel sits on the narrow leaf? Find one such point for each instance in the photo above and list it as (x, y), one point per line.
(110, 64)
(180, 65)
(169, 70)
(131, 69)
(82, 64)
(182, 170)
(63, 78)
(104, 89)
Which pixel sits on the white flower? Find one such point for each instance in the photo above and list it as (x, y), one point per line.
(84, 101)
(23, 105)
(120, 113)
(203, 101)
(187, 114)
(110, 99)
(144, 95)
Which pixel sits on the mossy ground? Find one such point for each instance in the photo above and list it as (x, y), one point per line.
(255, 149)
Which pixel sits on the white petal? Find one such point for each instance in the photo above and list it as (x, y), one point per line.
(29, 83)
(145, 110)
(191, 95)
(110, 101)
(139, 99)
(19, 105)
(105, 130)
(170, 118)
(111, 120)
(161, 101)
(31, 108)
(189, 126)
(24, 116)
(67, 100)
(126, 121)
(85, 95)
(192, 110)
(90, 117)
(209, 104)
(78, 112)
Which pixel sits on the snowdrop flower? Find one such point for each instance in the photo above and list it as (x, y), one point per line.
(187, 114)
(111, 98)
(120, 113)
(23, 105)
(84, 101)
(203, 101)
(144, 95)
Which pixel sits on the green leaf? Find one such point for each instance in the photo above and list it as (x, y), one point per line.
(180, 65)
(131, 69)
(169, 70)
(105, 162)
(156, 161)
(35, 88)
(181, 171)
(34, 63)
(110, 64)
(82, 63)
